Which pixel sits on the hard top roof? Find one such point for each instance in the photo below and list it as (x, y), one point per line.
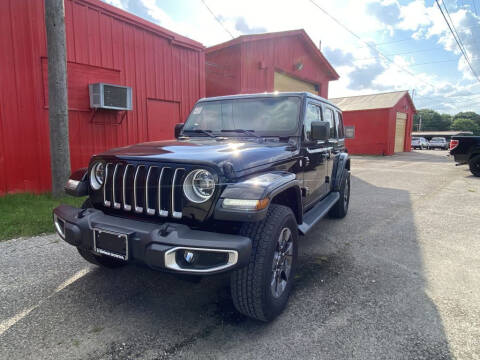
(302, 94)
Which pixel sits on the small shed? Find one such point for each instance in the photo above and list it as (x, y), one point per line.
(165, 71)
(281, 61)
(378, 124)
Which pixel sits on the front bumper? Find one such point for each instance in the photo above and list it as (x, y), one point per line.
(153, 244)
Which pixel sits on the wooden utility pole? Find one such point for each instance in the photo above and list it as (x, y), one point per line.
(57, 94)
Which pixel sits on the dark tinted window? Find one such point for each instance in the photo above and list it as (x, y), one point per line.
(330, 118)
(268, 115)
(339, 124)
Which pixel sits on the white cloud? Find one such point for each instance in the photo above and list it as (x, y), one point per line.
(362, 70)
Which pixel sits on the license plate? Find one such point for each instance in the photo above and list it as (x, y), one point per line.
(110, 243)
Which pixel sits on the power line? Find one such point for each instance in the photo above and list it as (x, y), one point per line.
(453, 25)
(432, 62)
(366, 43)
(458, 41)
(218, 20)
(475, 7)
(403, 53)
(453, 102)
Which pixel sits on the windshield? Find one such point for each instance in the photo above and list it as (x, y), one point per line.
(438, 139)
(274, 116)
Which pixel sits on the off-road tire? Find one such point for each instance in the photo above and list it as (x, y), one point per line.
(340, 209)
(474, 165)
(98, 259)
(251, 285)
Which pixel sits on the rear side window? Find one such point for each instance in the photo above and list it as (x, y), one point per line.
(313, 114)
(330, 118)
(339, 123)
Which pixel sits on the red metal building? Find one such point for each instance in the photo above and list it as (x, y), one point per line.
(282, 61)
(104, 44)
(381, 124)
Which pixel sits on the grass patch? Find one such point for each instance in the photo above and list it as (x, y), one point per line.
(29, 214)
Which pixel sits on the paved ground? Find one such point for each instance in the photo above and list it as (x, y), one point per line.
(399, 278)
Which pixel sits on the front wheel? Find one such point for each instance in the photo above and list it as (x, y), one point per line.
(474, 165)
(261, 289)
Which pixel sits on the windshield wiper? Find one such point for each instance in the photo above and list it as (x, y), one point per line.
(243, 131)
(201, 131)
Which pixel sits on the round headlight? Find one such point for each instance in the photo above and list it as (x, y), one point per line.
(199, 186)
(97, 175)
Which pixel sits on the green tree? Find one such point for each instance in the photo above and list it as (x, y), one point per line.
(431, 120)
(468, 115)
(466, 125)
(446, 121)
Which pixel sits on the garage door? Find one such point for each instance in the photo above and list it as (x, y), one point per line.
(400, 131)
(284, 82)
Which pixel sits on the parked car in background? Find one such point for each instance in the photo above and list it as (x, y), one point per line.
(419, 143)
(438, 143)
(466, 150)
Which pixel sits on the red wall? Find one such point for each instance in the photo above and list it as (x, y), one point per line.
(371, 131)
(104, 44)
(223, 71)
(375, 129)
(277, 53)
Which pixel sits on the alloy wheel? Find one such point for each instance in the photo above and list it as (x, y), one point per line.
(282, 262)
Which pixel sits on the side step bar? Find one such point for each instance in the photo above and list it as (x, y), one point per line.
(316, 213)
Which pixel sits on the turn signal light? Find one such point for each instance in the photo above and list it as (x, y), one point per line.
(241, 204)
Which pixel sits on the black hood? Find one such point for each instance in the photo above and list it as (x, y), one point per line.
(242, 154)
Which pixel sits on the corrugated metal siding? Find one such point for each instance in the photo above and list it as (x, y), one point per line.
(102, 45)
(222, 69)
(371, 131)
(281, 54)
(259, 59)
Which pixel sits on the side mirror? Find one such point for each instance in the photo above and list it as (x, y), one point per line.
(320, 130)
(178, 129)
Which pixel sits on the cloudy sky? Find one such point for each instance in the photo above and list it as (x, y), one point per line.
(419, 51)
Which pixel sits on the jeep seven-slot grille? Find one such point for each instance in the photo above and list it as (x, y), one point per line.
(144, 189)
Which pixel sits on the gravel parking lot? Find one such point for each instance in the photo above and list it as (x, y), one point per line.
(398, 278)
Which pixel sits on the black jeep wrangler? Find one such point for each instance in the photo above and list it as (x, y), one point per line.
(246, 175)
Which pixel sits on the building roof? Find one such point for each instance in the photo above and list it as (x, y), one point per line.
(147, 25)
(441, 133)
(370, 102)
(300, 33)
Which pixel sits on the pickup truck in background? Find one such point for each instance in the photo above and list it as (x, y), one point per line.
(466, 150)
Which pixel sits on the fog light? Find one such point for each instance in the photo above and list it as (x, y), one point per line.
(189, 256)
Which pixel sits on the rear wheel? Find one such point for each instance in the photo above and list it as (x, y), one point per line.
(340, 209)
(474, 165)
(261, 289)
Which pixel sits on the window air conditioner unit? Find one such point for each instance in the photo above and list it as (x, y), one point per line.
(108, 96)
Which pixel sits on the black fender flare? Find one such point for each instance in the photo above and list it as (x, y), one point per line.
(77, 183)
(258, 187)
(341, 167)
